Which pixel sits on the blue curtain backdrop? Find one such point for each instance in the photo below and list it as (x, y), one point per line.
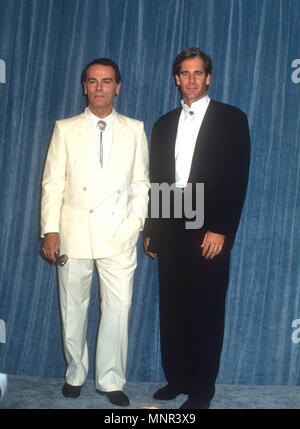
(254, 44)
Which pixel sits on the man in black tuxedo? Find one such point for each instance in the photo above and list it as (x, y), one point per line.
(203, 141)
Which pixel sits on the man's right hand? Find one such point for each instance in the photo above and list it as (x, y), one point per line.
(146, 245)
(50, 246)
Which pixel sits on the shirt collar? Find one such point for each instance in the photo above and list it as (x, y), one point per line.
(196, 107)
(108, 119)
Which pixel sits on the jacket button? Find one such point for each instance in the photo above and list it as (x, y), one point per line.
(91, 211)
(84, 188)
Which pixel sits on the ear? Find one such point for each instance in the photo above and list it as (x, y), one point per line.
(207, 80)
(84, 88)
(177, 80)
(118, 87)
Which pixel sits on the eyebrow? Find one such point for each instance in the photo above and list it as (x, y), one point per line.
(194, 71)
(104, 78)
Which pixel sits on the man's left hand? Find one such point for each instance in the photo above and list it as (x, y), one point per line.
(212, 244)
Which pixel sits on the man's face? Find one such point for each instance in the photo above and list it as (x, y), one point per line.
(192, 80)
(100, 88)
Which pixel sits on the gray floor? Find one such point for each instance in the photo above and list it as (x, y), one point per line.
(45, 393)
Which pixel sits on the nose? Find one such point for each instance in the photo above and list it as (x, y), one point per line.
(192, 78)
(99, 85)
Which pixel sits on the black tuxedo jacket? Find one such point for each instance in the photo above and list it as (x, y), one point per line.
(220, 161)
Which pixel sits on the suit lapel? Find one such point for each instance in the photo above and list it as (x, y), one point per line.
(85, 141)
(86, 146)
(118, 149)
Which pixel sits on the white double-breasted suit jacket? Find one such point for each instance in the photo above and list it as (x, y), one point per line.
(98, 213)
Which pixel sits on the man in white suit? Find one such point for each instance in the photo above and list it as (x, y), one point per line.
(94, 202)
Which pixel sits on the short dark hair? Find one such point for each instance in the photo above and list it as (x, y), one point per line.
(102, 62)
(192, 53)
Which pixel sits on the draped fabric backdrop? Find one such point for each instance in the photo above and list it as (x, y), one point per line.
(254, 45)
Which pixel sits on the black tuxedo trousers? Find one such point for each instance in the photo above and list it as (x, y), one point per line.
(192, 310)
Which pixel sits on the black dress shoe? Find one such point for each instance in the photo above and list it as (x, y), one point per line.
(170, 391)
(70, 391)
(116, 397)
(194, 404)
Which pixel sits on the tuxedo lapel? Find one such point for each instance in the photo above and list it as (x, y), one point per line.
(201, 143)
(169, 144)
(200, 147)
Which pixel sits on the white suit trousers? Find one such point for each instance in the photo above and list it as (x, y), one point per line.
(116, 281)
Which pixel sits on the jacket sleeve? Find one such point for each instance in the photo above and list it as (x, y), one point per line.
(53, 183)
(151, 227)
(138, 197)
(225, 219)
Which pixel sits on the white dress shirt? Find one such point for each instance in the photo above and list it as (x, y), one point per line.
(107, 135)
(187, 132)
